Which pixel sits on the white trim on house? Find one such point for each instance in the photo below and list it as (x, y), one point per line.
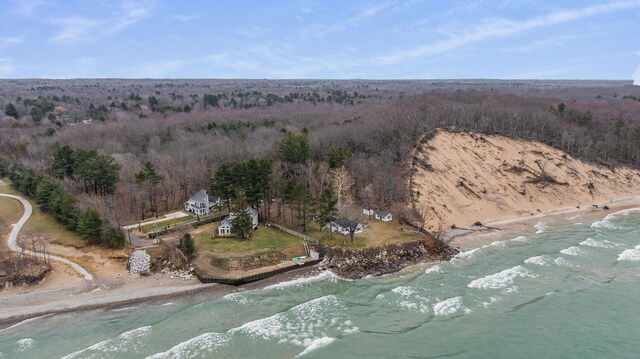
(198, 203)
(226, 228)
(383, 216)
(341, 226)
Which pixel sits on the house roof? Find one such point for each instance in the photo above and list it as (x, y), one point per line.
(382, 213)
(201, 196)
(345, 223)
(231, 216)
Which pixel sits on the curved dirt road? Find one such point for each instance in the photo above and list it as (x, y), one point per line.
(13, 237)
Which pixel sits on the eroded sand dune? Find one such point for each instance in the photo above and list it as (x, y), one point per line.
(468, 177)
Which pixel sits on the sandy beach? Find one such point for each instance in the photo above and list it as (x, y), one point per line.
(56, 296)
(64, 291)
(511, 227)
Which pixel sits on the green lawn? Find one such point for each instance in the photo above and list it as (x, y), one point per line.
(263, 240)
(43, 224)
(163, 223)
(376, 233)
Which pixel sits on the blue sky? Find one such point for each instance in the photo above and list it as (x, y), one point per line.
(340, 39)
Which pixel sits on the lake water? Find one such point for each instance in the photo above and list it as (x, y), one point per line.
(571, 292)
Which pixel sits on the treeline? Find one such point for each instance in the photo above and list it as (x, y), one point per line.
(51, 196)
(360, 152)
(288, 180)
(86, 167)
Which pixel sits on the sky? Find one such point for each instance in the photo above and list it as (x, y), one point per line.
(321, 39)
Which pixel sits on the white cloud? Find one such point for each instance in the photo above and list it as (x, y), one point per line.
(27, 7)
(12, 40)
(317, 31)
(130, 13)
(636, 75)
(185, 18)
(75, 29)
(279, 61)
(494, 28)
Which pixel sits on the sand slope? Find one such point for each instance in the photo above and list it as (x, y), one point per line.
(468, 177)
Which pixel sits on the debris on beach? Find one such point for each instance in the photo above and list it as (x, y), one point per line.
(139, 262)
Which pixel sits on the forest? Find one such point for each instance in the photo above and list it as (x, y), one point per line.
(131, 149)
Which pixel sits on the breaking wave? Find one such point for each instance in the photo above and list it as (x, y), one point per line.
(542, 260)
(24, 344)
(324, 276)
(193, 346)
(573, 251)
(590, 242)
(318, 343)
(631, 255)
(501, 279)
(123, 342)
(606, 221)
(449, 306)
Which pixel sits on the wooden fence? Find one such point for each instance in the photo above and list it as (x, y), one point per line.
(184, 226)
(293, 233)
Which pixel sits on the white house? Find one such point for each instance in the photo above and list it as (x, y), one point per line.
(368, 211)
(383, 216)
(199, 203)
(226, 227)
(343, 225)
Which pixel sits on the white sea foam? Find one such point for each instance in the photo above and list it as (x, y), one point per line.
(501, 279)
(125, 341)
(435, 269)
(318, 343)
(540, 227)
(238, 298)
(302, 324)
(192, 347)
(163, 304)
(411, 300)
(471, 252)
(590, 242)
(25, 322)
(538, 260)
(490, 302)
(606, 222)
(324, 276)
(563, 262)
(632, 255)
(466, 254)
(573, 251)
(404, 290)
(520, 239)
(24, 344)
(449, 306)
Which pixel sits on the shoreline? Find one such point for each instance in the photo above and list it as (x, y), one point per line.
(130, 293)
(120, 297)
(514, 226)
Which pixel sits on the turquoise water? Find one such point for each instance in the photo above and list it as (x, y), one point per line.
(572, 292)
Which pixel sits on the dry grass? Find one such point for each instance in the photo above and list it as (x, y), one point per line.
(44, 225)
(264, 240)
(376, 233)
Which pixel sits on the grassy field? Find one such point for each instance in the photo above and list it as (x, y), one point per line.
(163, 223)
(375, 234)
(43, 224)
(10, 211)
(262, 241)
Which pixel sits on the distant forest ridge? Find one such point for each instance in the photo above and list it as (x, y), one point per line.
(183, 131)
